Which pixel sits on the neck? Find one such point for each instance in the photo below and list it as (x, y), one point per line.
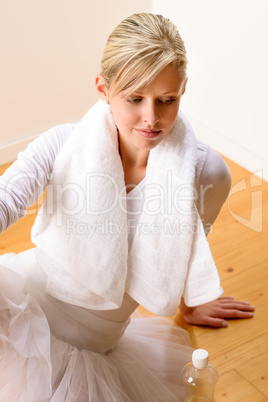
(132, 158)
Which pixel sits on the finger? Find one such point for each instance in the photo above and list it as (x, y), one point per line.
(231, 300)
(227, 298)
(243, 305)
(234, 313)
(237, 305)
(214, 322)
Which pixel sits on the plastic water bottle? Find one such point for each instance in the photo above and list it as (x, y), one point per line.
(199, 378)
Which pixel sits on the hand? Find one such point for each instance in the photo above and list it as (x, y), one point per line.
(215, 312)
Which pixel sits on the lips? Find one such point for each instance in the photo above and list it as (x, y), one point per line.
(148, 133)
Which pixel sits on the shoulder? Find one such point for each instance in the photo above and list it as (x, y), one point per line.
(213, 183)
(42, 152)
(211, 168)
(48, 144)
(55, 137)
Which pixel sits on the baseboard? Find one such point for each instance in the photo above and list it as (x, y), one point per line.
(232, 150)
(9, 152)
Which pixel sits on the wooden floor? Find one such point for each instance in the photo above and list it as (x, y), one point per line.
(239, 243)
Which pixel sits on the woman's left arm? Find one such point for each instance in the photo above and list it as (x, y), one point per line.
(213, 186)
(216, 312)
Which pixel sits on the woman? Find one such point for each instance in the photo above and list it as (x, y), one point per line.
(119, 228)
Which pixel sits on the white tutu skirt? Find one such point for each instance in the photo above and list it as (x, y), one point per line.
(54, 353)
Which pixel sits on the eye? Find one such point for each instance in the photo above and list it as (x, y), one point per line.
(167, 101)
(134, 100)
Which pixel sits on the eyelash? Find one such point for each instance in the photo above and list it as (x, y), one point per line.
(134, 100)
(165, 102)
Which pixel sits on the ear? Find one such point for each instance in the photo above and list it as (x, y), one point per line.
(184, 85)
(101, 87)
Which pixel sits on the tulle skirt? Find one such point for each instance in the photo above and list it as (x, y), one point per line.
(51, 351)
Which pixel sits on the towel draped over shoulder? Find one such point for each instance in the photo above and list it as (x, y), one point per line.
(169, 256)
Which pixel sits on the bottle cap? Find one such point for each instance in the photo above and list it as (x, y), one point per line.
(200, 358)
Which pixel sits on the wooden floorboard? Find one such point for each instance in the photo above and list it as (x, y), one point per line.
(240, 351)
(232, 387)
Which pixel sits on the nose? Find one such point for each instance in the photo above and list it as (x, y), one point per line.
(150, 114)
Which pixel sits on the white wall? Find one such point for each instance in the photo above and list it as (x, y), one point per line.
(227, 93)
(50, 53)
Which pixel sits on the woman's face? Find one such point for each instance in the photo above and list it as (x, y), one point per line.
(145, 117)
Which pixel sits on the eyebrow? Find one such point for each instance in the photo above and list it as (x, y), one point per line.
(165, 93)
(173, 90)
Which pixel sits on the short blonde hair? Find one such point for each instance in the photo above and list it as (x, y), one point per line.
(138, 49)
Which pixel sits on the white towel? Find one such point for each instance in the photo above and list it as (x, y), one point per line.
(82, 226)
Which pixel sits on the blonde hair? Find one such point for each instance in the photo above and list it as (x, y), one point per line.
(138, 49)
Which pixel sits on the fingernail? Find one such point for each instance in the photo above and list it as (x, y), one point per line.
(224, 324)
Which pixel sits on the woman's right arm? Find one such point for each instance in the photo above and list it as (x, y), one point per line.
(26, 179)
